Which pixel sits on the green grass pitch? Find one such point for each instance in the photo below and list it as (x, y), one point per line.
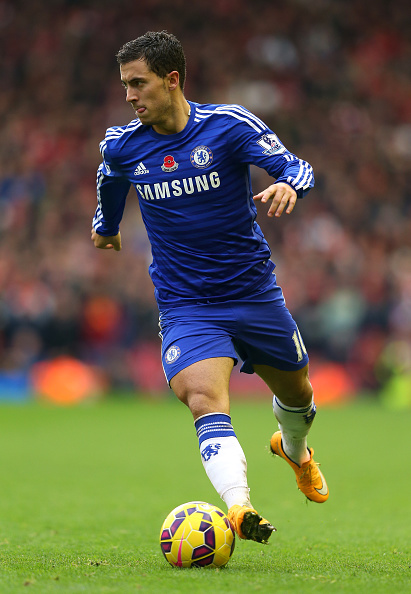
(84, 491)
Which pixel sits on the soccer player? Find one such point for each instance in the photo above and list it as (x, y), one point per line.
(214, 281)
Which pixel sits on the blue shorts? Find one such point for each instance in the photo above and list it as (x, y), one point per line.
(260, 332)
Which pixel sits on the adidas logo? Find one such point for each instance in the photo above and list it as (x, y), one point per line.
(140, 169)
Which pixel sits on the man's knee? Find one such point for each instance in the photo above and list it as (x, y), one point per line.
(203, 386)
(201, 403)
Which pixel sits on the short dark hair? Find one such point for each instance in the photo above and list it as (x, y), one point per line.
(162, 52)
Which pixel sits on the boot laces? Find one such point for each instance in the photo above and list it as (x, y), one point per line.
(309, 473)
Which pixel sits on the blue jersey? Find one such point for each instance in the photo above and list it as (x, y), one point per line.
(196, 200)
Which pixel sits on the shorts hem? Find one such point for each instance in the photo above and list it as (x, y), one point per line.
(247, 366)
(169, 376)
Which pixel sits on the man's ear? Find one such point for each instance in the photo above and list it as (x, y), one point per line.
(173, 80)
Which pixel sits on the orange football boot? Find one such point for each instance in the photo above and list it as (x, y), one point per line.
(248, 524)
(310, 479)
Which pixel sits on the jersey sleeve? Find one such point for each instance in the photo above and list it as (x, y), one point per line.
(112, 190)
(256, 144)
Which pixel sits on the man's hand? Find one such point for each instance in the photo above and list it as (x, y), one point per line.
(106, 243)
(281, 195)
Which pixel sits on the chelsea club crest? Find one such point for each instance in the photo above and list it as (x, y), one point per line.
(172, 354)
(201, 157)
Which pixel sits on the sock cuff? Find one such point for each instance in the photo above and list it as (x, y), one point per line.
(293, 409)
(213, 425)
(288, 414)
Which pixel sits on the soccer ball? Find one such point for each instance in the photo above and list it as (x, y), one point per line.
(197, 534)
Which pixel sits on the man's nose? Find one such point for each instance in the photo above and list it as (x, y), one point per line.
(131, 94)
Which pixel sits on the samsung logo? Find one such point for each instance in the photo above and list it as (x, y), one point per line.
(178, 187)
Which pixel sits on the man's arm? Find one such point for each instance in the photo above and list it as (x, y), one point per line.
(112, 190)
(254, 143)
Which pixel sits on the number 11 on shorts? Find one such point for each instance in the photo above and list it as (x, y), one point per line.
(299, 345)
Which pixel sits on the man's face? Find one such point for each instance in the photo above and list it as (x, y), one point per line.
(146, 92)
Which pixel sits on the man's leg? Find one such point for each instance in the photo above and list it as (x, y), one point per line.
(203, 387)
(294, 409)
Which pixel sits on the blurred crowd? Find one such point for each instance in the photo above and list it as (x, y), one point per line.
(331, 77)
